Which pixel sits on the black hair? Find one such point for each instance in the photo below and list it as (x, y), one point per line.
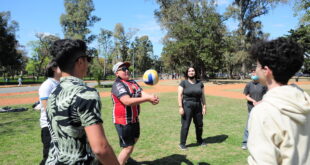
(186, 72)
(49, 72)
(283, 56)
(66, 52)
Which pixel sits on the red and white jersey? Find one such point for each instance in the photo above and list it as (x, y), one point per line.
(123, 114)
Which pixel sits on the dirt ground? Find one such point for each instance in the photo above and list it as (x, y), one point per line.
(224, 90)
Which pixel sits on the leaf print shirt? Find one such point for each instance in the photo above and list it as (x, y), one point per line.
(71, 107)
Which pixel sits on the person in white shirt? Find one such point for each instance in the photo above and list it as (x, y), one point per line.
(279, 127)
(53, 73)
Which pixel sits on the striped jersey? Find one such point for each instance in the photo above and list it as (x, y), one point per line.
(123, 114)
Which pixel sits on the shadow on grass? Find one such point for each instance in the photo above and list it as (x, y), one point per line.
(17, 126)
(174, 159)
(209, 140)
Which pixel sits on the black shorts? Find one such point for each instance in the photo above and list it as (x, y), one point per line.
(128, 133)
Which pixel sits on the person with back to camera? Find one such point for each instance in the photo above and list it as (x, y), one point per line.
(254, 92)
(73, 111)
(279, 127)
(127, 96)
(53, 73)
(192, 105)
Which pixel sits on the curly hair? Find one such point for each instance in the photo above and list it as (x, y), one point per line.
(283, 56)
(186, 72)
(49, 72)
(66, 51)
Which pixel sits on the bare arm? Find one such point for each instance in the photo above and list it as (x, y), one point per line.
(203, 102)
(100, 145)
(250, 99)
(145, 97)
(180, 98)
(44, 104)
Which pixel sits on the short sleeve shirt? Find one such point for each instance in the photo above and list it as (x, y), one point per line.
(192, 90)
(123, 114)
(71, 107)
(44, 91)
(255, 90)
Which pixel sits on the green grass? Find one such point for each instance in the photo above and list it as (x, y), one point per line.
(20, 141)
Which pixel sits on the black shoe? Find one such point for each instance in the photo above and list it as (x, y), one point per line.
(182, 147)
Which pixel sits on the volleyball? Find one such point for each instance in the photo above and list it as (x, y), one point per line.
(150, 77)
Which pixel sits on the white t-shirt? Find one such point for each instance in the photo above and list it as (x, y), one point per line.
(44, 91)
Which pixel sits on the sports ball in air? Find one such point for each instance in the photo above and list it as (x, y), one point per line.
(150, 77)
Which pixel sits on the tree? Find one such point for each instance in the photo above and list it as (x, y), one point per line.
(77, 19)
(105, 49)
(302, 36)
(249, 29)
(11, 59)
(194, 35)
(40, 53)
(302, 8)
(122, 41)
(141, 54)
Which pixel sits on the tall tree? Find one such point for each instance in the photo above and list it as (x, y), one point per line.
(11, 59)
(249, 29)
(122, 41)
(77, 19)
(141, 51)
(194, 34)
(105, 49)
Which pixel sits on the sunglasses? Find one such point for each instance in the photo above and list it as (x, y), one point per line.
(88, 58)
(122, 69)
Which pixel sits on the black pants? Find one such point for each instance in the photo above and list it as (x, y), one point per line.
(46, 140)
(192, 109)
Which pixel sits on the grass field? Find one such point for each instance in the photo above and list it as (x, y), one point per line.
(160, 130)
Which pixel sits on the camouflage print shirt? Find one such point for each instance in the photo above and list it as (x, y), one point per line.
(71, 107)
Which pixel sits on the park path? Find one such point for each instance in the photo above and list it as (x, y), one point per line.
(225, 90)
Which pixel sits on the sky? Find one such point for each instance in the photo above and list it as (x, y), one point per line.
(43, 16)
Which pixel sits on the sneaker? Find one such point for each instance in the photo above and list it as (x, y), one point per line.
(182, 147)
(244, 147)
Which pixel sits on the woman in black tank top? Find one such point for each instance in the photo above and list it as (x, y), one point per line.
(192, 105)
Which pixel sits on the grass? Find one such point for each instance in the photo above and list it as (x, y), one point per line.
(20, 141)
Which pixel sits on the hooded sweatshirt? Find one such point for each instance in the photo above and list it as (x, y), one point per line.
(279, 128)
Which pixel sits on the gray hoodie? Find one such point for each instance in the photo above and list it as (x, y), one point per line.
(279, 128)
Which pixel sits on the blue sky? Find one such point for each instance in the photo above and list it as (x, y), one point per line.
(44, 16)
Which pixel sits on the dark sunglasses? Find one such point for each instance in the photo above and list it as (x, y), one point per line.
(89, 58)
(122, 69)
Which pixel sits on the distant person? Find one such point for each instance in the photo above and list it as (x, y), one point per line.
(20, 80)
(73, 111)
(192, 105)
(254, 92)
(279, 127)
(53, 73)
(127, 96)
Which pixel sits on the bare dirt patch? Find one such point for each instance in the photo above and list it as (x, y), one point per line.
(225, 90)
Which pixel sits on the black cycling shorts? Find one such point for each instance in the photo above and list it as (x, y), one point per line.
(128, 133)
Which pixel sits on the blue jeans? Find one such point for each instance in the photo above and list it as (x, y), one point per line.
(246, 132)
